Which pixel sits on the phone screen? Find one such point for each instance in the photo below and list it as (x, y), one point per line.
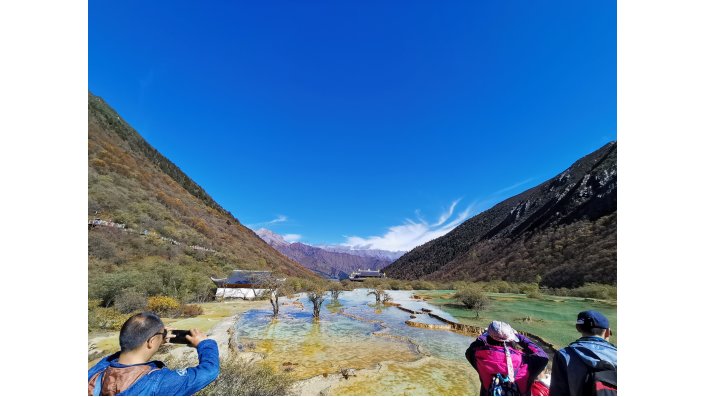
(179, 336)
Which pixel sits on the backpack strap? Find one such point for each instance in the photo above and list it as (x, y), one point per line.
(98, 384)
(510, 365)
(118, 380)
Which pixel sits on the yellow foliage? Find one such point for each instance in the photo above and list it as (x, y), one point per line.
(201, 226)
(106, 318)
(98, 163)
(162, 304)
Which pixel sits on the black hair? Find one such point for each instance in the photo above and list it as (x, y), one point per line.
(594, 331)
(137, 329)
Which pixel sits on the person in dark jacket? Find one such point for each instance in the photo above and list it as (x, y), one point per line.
(130, 371)
(572, 364)
(502, 350)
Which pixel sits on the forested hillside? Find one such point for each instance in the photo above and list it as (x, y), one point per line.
(562, 233)
(175, 235)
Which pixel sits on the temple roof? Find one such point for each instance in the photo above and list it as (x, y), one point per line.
(241, 277)
(366, 273)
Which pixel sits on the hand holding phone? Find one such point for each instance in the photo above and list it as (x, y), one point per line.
(179, 336)
(190, 337)
(195, 337)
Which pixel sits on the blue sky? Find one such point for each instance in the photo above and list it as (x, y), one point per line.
(380, 124)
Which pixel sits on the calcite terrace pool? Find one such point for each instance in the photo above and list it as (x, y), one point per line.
(388, 356)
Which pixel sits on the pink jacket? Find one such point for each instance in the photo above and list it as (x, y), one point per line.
(488, 358)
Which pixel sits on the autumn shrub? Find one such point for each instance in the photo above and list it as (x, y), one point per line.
(473, 298)
(558, 291)
(458, 285)
(595, 291)
(295, 284)
(101, 248)
(501, 286)
(201, 226)
(423, 284)
(98, 163)
(395, 284)
(163, 305)
(107, 286)
(190, 310)
(104, 318)
(93, 303)
(197, 288)
(407, 286)
(535, 294)
(130, 300)
(448, 285)
(347, 284)
(241, 379)
(526, 288)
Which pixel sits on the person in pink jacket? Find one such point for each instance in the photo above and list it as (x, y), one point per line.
(505, 359)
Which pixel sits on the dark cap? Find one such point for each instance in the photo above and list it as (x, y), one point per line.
(593, 319)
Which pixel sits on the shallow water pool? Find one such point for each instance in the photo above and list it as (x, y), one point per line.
(356, 333)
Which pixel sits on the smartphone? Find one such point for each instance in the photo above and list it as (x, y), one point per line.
(179, 336)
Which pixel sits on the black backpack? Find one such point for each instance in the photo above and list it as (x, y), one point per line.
(601, 380)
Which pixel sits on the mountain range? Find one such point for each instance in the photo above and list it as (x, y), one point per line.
(329, 261)
(562, 233)
(158, 228)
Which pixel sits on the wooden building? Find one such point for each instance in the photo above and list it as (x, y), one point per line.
(361, 275)
(240, 284)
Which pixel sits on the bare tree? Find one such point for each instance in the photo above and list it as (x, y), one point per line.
(273, 287)
(378, 292)
(316, 293)
(377, 288)
(386, 298)
(335, 289)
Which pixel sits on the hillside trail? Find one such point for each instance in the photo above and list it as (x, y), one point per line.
(144, 233)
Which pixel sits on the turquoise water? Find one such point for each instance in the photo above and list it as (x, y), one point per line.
(295, 325)
(358, 334)
(445, 344)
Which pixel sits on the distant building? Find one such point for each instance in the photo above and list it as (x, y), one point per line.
(361, 275)
(240, 284)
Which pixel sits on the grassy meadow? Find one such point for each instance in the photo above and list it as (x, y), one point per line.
(551, 317)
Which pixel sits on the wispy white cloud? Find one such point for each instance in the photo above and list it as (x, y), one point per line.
(292, 238)
(512, 187)
(278, 219)
(411, 234)
(446, 215)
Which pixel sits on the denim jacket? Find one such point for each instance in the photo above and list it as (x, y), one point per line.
(571, 364)
(156, 379)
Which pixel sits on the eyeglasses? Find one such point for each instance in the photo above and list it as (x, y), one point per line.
(162, 333)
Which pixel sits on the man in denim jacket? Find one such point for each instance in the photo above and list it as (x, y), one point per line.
(130, 371)
(592, 352)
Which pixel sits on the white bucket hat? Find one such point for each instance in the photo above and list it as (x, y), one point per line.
(502, 332)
